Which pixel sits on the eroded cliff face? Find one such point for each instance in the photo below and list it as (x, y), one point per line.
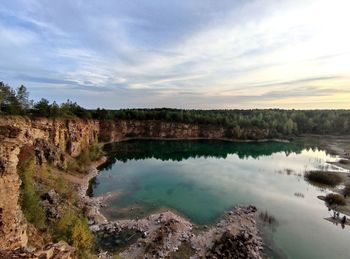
(51, 140)
(111, 131)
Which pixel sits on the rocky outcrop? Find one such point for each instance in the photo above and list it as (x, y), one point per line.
(111, 131)
(61, 250)
(51, 139)
(160, 235)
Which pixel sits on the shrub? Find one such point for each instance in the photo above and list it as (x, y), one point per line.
(344, 161)
(324, 177)
(93, 153)
(74, 230)
(81, 235)
(30, 200)
(335, 199)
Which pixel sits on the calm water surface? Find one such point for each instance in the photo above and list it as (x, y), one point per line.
(202, 179)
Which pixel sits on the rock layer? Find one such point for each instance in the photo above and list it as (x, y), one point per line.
(53, 139)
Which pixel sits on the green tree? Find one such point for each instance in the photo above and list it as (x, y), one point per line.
(42, 108)
(23, 97)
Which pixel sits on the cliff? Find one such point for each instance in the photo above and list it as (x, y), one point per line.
(51, 139)
(118, 130)
(55, 139)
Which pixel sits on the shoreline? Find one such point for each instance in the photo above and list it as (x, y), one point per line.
(166, 232)
(149, 226)
(203, 138)
(93, 203)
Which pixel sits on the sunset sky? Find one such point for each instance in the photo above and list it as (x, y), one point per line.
(184, 54)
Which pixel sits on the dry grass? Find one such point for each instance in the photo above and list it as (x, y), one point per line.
(335, 199)
(324, 177)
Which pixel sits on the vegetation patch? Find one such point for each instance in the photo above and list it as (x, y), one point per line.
(335, 199)
(30, 199)
(344, 161)
(93, 153)
(323, 177)
(74, 229)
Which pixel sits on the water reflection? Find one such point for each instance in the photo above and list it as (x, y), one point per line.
(202, 179)
(178, 150)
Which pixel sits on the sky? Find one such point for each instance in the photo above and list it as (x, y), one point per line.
(192, 54)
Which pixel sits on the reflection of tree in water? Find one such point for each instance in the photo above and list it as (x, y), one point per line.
(178, 150)
(93, 183)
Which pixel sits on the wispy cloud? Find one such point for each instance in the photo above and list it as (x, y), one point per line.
(193, 54)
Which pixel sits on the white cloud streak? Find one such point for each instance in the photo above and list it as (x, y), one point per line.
(239, 55)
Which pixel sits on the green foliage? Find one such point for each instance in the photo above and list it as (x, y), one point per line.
(30, 200)
(273, 123)
(75, 231)
(88, 155)
(11, 102)
(42, 108)
(81, 235)
(324, 177)
(335, 199)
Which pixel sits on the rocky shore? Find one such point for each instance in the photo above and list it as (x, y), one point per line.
(162, 234)
(92, 203)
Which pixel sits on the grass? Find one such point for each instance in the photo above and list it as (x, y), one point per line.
(335, 199)
(74, 229)
(37, 180)
(30, 199)
(93, 153)
(323, 177)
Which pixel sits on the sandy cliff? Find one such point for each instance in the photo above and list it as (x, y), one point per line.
(53, 139)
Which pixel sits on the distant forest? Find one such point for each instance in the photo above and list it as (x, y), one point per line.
(278, 122)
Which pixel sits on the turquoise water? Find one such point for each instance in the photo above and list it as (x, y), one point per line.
(202, 179)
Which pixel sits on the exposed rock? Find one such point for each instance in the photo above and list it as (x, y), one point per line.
(54, 138)
(9, 131)
(235, 236)
(161, 234)
(61, 250)
(52, 204)
(47, 152)
(50, 138)
(118, 130)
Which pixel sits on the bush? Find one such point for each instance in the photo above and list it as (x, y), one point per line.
(324, 177)
(75, 231)
(93, 153)
(81, 235)
(344, 161)
(335, 199)
(30, 200)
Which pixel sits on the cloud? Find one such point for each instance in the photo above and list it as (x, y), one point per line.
(194, 54)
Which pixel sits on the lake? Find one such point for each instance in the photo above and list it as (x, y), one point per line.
(200, 179)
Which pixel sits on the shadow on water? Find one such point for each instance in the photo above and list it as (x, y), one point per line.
(116, 242)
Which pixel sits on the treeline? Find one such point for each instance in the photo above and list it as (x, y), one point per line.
(17, 102)
(277, 122)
